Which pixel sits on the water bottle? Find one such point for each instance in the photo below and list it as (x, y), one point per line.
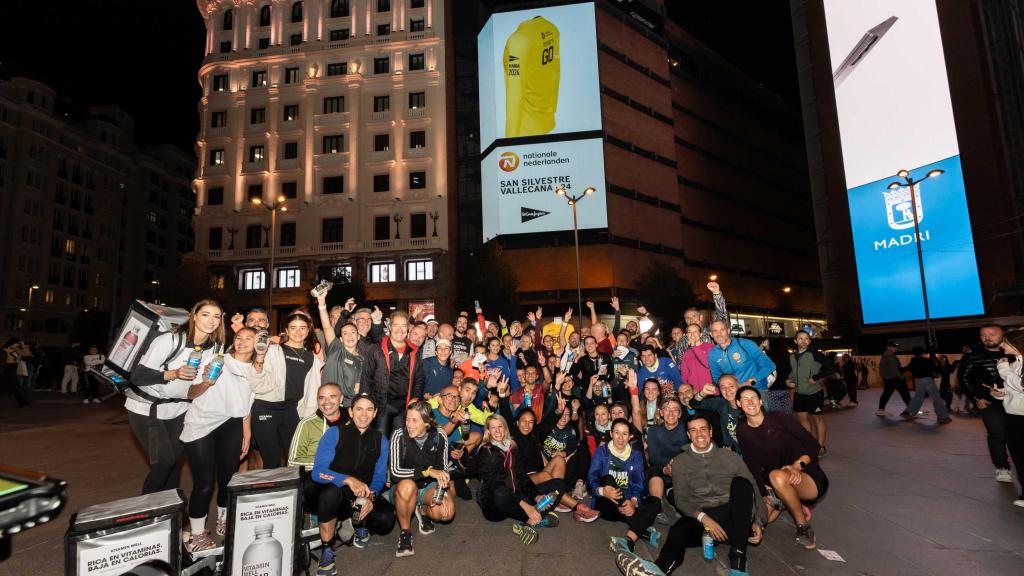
(264, 555)
(261, 342)
(195, 358)
(464, 425)
(439, 495)
(216, 366)
(708, 544)
(528, 400)
(546, 501)
(357, 510)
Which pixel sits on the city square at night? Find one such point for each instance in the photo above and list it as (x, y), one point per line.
(638, 287)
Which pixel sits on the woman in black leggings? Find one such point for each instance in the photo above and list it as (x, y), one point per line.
(216, 435)
(285, 382)
(505, 489)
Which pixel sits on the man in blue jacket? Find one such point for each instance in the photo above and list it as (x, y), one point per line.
(664, 370)
(740, 357)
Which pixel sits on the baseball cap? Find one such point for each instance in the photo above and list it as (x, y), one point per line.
(442, 342)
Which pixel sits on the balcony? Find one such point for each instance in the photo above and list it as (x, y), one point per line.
(327, 248)
(336, 119)
(330, 247)
(382, 155)
(257, 166)
(420, 152)
(330, 159)
(382, 116)
(416, 112)
(287, 164)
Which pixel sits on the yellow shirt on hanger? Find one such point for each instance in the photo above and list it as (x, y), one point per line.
(532, 71)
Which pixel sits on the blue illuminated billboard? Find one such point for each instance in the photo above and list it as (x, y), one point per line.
(895, 112)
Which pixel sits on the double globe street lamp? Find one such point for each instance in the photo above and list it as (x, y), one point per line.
(573, 201)
(274, 208)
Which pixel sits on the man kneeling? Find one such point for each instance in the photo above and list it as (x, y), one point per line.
(352, 463)
(714, 491)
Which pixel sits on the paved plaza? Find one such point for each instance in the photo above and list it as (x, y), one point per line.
(906, 499)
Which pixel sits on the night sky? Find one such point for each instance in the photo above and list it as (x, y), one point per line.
(144, 55)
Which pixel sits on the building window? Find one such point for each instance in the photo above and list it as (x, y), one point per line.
(253, 236)
(339, 35)
(219, 119)
(48, 296)
(220, 82)
(256, 153)
(291, 75)
(339, 8)
(214, 196)
(69, 247)
(288, 278)
(265, 16)
(381, 65)
(252, 280)
(216, 157)
(416, 62)
(291, 150)
(383, 30)
(418, 139)
(216, 281)
(259, 79)
(337, 273)
(418, 225)
(287, 234)
(417, 100)
(296, 12)
(334, 104)
(334, 144)
(257, 115)
(381, 142)
(151, 217)
(382, 272)
(416, 25)
(382, 228)
(216, 238)
(332, 230)
(417, 180)
(291, 112)
(334, 184)
(416, 3)
(419, 270)
(295, 39)
(337, 69)
(381, 103)
(256, 192)
(263, 43)
(225, 46)
(381, 182)
(383, 5)
(229, 20)
(290, 190)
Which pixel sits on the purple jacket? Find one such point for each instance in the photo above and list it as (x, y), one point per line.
(695, 368)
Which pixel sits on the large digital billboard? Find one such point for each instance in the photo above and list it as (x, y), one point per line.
(894, 110)
(540, 120)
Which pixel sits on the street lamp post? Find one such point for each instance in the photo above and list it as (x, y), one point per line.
(573, 201)
(31, 289)
(910, 183)
(274, 207)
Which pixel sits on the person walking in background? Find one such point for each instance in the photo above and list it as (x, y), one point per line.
(923, 371)
(70, 357)
(946, 369)
(91, 385)
(849, 371)
(978, 375)
(891, 371)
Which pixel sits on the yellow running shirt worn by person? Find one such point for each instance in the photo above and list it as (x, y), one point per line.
(532, 72)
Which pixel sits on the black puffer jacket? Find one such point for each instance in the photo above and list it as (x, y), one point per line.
(503, 467)
(978, 369)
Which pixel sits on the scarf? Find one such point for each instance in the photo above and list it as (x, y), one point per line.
(504, 445)
(603, 429)
(624, 455)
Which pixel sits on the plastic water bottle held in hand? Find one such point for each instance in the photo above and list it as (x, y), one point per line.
(464, 425)
(546, 501)
(261, 342)
(195, 358)
(708, 543)
(439, 493)
(216, 366)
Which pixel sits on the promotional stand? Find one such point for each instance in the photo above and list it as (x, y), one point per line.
(264, 518)
(113, 538)
(143, 323)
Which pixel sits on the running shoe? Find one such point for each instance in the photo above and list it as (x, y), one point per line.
(652, 536)
(361, 538)
(579, 492)
(881, 413)
(1019, 502)
(907, 416)
(425, 522)
(823, 452)
(805, 536)
(562, 508)
(662, 518)
(345, 531)
(550, 520)
(327, 567)
(404, 545)
(851, 405)
(621, 544)
(200, 542)
(95, 400)
(585, 514)
(527, 534)
(222, 525)
(632, 565)
(1004, 475)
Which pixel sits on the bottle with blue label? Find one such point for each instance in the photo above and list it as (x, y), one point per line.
(708, 543)
(216, 367)
(546, 502)
(195, 358)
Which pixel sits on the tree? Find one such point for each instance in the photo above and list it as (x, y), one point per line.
(666, 294)
(488, 277)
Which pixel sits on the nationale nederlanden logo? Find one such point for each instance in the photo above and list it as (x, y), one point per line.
(899, 209)
(508, 161)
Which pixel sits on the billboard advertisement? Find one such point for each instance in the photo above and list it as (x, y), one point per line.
(895, 112)
(540, 120)
(519, 187)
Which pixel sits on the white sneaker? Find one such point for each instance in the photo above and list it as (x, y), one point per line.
(1019, 502)
(1003, 475)
(86, 401)
(881, 413)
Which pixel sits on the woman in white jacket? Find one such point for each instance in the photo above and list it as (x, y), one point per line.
(1012, 396)
(286, 381)
(158, 397)
(217, 434)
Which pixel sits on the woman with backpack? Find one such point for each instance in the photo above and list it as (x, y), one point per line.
(158, 394)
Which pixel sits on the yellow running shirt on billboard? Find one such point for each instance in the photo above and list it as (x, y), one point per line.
(532, 72)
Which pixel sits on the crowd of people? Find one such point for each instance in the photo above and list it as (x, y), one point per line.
(399, 420)
(29, 368)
